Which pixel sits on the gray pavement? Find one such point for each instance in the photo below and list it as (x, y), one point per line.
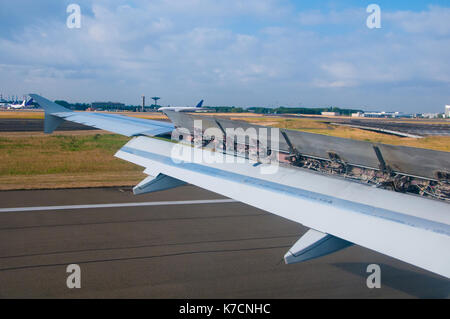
(205, 250)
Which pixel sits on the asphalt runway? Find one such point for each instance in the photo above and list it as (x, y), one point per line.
(195, 250)
(408, 126)
(37, 125)
(415, 128)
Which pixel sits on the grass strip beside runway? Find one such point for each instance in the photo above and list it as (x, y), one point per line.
(64, 160)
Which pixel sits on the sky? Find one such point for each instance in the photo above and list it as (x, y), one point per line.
(238, 53)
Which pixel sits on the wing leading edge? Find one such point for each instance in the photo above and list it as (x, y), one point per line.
(339, 212)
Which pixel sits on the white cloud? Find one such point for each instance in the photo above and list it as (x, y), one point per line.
(434, 21)
(233, 52)
(342, 17)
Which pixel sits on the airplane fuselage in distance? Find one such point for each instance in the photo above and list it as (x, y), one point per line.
(198, 107)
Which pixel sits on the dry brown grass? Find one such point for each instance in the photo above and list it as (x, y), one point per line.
(22, 114)
(64, 160)
(438, 143)
(375, 119)
(287, 123)
(229, 114)
(147, 115)
(55, 181)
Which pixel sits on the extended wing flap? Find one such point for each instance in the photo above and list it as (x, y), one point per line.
(154, 184)
(314, 244)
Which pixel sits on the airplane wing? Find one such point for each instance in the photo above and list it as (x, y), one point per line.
(339, 212)
(124, 125)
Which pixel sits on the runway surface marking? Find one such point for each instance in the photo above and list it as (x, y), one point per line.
(136, 204)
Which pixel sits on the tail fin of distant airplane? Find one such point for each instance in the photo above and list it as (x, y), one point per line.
(29, 102)
(200, 104)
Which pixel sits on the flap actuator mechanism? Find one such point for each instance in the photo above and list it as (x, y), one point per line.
(314, 244)
(158, 183)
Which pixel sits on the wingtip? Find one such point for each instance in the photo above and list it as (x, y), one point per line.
(47, 105)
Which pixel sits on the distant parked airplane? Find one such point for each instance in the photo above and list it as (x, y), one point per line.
(19, 106)
(183, 108)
